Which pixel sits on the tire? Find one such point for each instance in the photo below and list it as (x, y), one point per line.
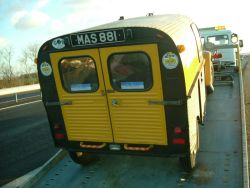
(210, 88)
(236, 69)
(198, 136)
(82, 158)
(188, 162)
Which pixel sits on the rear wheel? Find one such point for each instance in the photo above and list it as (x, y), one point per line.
(236, 69)
(188, 162)
(210, 88)
(82, 158)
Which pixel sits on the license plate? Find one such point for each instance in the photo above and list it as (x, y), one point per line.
(97, 37)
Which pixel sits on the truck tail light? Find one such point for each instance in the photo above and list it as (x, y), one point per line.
(178, 136)
(178, 130)
(59, 136)
(58, 131)
(179, 141)
(217, 55)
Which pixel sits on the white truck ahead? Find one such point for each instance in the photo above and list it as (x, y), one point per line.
(217, 37)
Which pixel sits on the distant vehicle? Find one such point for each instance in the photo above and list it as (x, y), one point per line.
(220, 36)
(135, 86)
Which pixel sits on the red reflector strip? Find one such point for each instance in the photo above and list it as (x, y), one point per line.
(217, 56)
(131, 148)
(179, 141)
(59, 136)
(92, 146)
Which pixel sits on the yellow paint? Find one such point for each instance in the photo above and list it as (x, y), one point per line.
(134, 120)
(91, 117)
(87, 119)
(220, 27)
(190, 73)
(189, 59)
(208, 71)
(181, 48)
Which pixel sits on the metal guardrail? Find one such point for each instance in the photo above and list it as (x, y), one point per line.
(11, 95)
(19, 89)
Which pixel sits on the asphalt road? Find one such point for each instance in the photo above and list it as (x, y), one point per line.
(25, 140)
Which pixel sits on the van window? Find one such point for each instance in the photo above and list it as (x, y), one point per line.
(218, 39)
(130, 71)
(79, 74)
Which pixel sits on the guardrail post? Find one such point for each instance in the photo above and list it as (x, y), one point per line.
(16, 97)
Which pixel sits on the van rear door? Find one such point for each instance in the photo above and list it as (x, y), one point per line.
(109, 94)
(79, 83)
(133, 81)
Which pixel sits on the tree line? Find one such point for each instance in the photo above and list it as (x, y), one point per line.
(20, 71)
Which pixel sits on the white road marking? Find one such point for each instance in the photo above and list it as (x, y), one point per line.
(19, 105)
(7, 101)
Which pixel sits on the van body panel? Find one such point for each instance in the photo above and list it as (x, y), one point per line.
(134, 119)
(190, 75)
(93, 117)
(87, 119)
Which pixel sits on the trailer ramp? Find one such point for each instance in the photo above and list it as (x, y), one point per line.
(219, 162)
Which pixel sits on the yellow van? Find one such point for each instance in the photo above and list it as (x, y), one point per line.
(135, 86)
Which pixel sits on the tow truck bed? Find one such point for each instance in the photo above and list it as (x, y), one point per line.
(219, 164)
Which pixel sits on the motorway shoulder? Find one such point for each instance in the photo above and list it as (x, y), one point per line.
(26, 142)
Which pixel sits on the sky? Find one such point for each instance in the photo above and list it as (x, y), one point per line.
(23, 22)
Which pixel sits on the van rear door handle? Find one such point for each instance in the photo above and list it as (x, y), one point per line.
(64, 103)
(115, 102)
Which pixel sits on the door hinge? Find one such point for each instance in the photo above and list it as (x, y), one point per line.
(104, 92)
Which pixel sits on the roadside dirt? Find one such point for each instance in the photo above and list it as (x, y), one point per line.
(246, 80)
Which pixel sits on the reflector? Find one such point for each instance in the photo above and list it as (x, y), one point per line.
(179, 141)
(56, 126)
(217, 55)
(177, 130)
(59, 136)
(181, 48)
